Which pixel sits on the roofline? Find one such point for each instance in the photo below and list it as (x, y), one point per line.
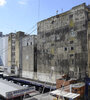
(62, 14)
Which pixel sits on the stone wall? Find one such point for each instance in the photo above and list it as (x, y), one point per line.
(62, 43)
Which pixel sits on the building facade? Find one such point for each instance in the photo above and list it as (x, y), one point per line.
(18, 49)
(29, 56)
(11, 49)
(11, 52)
(3, 50)
(88, 41)
(14, 43)
(62, 44)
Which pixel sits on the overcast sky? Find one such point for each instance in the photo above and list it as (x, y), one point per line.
(22, 15)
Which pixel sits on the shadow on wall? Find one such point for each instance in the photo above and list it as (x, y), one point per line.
(1, 62)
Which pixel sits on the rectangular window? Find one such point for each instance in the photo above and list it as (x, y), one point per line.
(12, 72)
(72, 61)
(72, 48)
(65, 49)
(13, 48)
(27, 44)
(13, 53)
(70, 16)
(71, 55)
(31, 43)
(71, 42)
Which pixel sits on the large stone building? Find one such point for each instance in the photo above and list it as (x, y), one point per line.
(14, 44)
(64, 44)
(29, 56)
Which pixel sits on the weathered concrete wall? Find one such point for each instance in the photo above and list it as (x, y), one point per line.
(28, 56)
(18, 45)
(14, 43)
(88, 37)
(62, 43)
(89, 48)
(11, 51)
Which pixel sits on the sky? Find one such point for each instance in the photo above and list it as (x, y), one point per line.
(23, 15)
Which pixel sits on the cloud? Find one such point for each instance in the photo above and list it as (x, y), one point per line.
(23, 2)
(2, 2)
